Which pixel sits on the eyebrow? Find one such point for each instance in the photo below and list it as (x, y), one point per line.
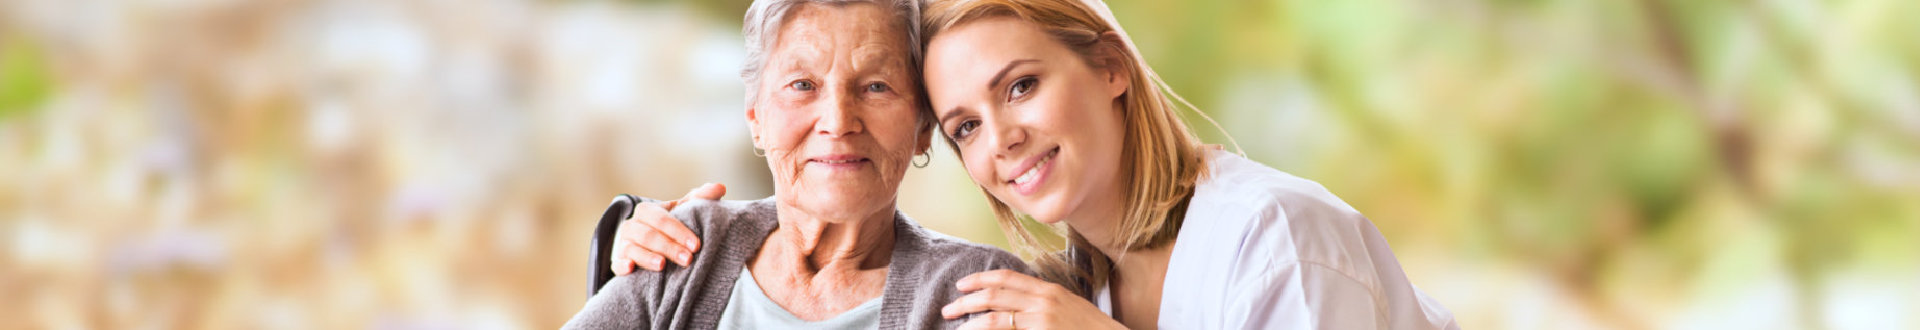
(1003, 71)
(876, 63)
(990, 83)
(950, 114)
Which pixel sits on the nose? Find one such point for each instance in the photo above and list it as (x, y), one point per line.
(841, 117)
(1006, 136)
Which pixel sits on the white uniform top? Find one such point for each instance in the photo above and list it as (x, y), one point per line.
(1263, 249)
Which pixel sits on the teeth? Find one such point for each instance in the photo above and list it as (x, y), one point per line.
(1032, 172)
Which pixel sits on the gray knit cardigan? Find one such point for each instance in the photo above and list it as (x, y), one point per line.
(920, 278)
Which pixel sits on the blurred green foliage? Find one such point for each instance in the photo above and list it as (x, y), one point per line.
(24, 80)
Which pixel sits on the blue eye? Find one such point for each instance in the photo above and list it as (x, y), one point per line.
(878, 88)
(801, 85)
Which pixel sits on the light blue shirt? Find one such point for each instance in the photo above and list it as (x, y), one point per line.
(749, 308)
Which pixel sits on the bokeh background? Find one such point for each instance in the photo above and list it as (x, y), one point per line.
(438, 164)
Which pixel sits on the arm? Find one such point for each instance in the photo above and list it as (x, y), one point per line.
(1299, 295)
(1276, 284)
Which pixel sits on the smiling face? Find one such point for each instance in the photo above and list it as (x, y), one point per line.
(1037, 124)
(836, 111)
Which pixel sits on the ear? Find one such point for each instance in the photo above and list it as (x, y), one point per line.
(753, 125)
(924, 143)
(1112, 54)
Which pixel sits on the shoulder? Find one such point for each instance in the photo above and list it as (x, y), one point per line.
(623, 303)
(934, 261)
(924, 268)
(942, 254)
(953, 250)
(713, 219)
(1239, 183)
(1272, 219)
(1253, 226)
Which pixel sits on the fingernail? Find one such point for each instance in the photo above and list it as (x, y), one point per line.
(685, 258)
(692, 244)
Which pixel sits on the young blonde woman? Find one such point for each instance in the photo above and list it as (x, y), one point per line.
(1056, 116)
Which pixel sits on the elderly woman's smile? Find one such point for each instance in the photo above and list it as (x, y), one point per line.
(844, 162)
(836, 111)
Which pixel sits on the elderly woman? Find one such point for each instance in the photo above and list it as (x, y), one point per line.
(834, 107)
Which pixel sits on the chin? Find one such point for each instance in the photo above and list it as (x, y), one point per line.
(1047, 221)
(1041, 210)
(841, 203)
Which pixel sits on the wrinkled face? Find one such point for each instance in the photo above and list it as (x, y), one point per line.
(1037, 125)
(836, 111)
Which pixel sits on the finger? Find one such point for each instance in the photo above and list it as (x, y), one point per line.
(989, 320)
(652, 240)
(632, 230)
(646, 259)
(709, 191)
(627, 252)
(625, 257)
(659, 244)
(1002, 279)
(621, 262)
(657, 219)
(988, 300)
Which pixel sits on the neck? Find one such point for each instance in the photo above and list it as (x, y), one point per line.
(1141, 266)
(1137, 283)
(1098, 221)
(815, 245)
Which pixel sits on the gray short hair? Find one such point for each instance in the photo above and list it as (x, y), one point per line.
(762, 27)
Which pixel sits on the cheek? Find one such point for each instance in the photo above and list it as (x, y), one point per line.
(897, 122)
(783, 129)
(979, 167)
(1089, 111)
(895, 130)
(1061, 116)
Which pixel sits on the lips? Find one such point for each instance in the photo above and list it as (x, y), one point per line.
(1034, 172)
(840, 160)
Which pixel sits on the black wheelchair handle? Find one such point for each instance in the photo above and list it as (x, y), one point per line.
(600, 256)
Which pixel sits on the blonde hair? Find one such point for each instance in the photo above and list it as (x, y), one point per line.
(1163, 160)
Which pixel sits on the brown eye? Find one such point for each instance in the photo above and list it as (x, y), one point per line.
(1021, 87)
(964, 130)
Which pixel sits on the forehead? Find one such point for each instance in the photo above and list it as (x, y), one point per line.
(961, 59)
(866, 31)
